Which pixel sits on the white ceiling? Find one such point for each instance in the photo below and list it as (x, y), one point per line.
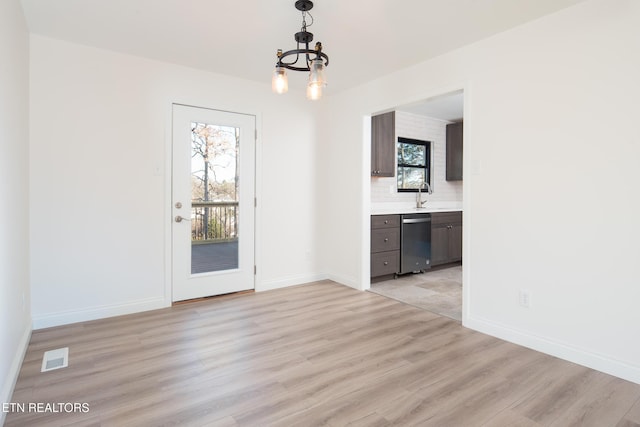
(449, 107)
(364, 39)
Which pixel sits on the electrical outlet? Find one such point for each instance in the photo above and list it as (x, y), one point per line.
(525, 299)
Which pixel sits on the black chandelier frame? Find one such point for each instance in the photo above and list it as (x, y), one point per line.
(302, 37)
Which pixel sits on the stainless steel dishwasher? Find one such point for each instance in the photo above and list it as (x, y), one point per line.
(415, 243)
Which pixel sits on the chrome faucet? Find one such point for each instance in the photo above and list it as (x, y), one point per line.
(419, 201)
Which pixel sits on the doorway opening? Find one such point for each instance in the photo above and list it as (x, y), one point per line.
(439, 288)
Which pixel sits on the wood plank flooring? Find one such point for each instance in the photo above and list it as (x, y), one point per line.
(311, 355)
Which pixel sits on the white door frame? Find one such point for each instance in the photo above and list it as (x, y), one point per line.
(163, 167)
(365, 202)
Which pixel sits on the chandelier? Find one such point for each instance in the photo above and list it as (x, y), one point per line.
(314, 59)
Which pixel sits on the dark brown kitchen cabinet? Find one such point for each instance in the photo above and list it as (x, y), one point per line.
(446, 237)
(383, 144)
(385, 245)
(454, 152)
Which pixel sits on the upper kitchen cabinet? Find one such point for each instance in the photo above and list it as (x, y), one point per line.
(454, 152)
(383, 144)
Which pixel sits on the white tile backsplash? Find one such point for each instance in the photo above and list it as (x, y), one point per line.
(408, 125)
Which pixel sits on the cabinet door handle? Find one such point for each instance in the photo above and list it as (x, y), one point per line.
(386, 239)
(386, 263)
(386, 221)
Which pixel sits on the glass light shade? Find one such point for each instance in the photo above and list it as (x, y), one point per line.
(279, 81)
(314, 91)
(316, 74)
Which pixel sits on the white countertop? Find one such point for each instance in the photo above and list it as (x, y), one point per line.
(403, 208)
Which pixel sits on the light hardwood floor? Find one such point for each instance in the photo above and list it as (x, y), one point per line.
(317, 354)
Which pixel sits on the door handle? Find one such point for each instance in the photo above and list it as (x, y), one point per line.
(180, 219)
(415, 220)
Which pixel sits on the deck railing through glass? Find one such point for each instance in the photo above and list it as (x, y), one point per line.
(214, 222)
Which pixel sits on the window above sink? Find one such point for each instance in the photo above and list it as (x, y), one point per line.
(414, 164)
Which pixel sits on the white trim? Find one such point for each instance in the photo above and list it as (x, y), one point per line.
(97, 312)
(257, 212)
(14, 371)
(467, 185)
(562, 350)
(365, 228)
(168, 182)
(290, 281)
(351, 282)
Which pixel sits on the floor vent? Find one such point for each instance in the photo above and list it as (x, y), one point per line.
(55, 359)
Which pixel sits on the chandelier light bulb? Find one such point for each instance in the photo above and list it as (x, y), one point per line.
(316, 73)
(314, 92)
(279, 82)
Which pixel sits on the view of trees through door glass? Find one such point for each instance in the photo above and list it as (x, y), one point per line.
(214, 197)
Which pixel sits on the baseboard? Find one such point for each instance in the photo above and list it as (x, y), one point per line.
(14, 371)
(561, 350)
(347, 281)
(98, 312)
(290, 281)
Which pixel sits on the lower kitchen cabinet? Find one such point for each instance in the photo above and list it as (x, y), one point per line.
(385, 245)
(446, 237)
(385, 263)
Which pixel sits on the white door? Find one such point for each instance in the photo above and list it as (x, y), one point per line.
(213, 191)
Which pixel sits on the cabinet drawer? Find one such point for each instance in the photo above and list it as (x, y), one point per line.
(385, 221)
(384, 263)
(446, 218)
(385, 239)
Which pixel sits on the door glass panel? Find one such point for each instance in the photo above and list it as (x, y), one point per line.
(214, 197)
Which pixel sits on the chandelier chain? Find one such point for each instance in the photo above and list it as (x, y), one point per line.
(304, 20)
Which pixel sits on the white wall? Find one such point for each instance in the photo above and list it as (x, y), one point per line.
(99, 139)
(15, 318)
(550, 193)
(415, 126)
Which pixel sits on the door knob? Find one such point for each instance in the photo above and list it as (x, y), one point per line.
(180, 219)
